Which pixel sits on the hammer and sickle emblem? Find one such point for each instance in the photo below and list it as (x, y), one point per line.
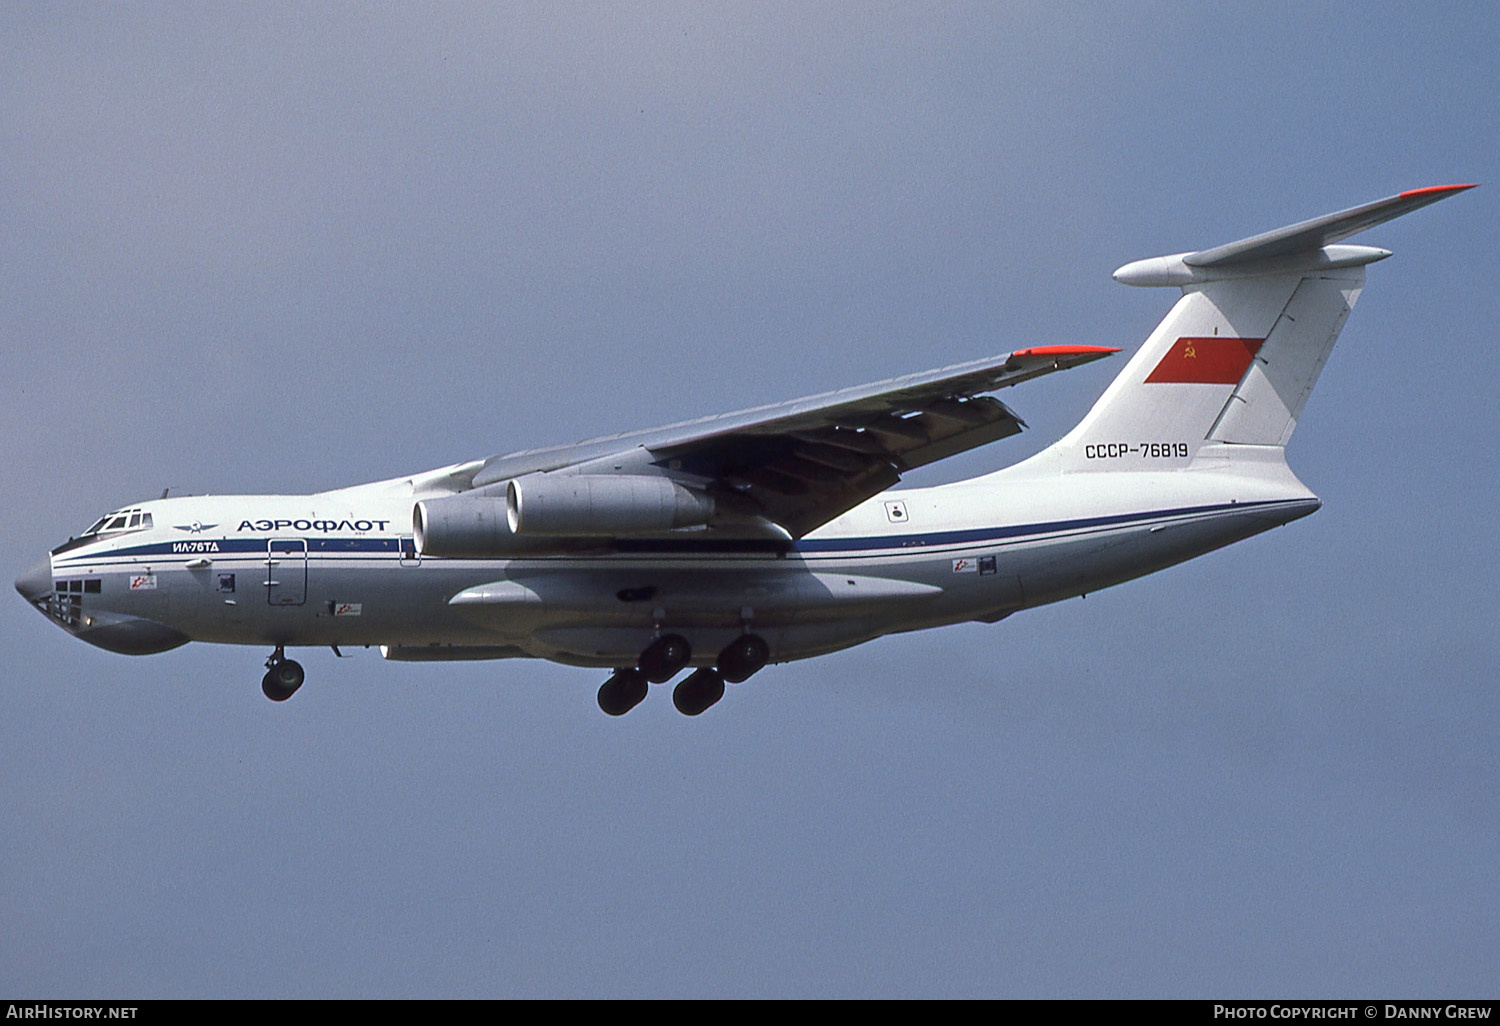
(1190, 353)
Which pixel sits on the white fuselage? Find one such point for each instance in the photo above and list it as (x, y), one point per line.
(339, 568)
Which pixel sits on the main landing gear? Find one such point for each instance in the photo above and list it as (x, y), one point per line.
(622, 692)
(742, 657)
(665, 657)
(283, 676)
(701, 689)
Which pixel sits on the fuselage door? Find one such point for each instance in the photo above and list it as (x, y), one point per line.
(286, 571)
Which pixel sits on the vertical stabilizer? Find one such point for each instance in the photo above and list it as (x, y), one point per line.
(1266, 403)
(1230, 367)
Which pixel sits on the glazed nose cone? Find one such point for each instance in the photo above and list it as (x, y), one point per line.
(36, 583)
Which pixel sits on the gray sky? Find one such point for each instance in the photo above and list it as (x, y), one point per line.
(282, 249)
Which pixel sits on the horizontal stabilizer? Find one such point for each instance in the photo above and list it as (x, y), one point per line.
(1308, 246)
(1320, 231)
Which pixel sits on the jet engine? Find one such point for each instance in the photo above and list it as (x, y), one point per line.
(472, 526)
(544, 514)
(601, 506)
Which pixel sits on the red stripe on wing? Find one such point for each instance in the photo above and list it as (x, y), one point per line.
(1064, 351)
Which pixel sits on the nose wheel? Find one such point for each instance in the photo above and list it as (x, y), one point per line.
(283, 676)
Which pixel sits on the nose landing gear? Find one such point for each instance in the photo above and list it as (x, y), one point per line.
(283, 676)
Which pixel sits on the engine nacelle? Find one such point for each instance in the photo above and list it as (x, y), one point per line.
(476, 527)
(601, 505)
(543, 515)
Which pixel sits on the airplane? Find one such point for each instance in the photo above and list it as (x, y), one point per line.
(723, 544)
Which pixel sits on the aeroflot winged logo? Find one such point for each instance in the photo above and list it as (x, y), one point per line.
(1206, 360)
(196, 527)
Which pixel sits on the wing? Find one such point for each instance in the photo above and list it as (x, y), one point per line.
(798, 464)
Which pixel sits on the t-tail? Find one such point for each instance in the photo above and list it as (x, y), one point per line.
(1223, 379)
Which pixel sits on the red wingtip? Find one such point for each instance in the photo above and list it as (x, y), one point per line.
(1431, 189)
(1066, 351)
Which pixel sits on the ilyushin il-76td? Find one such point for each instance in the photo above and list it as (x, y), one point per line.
(711, 548)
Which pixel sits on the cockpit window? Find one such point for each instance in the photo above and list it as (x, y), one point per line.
(121, 520)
